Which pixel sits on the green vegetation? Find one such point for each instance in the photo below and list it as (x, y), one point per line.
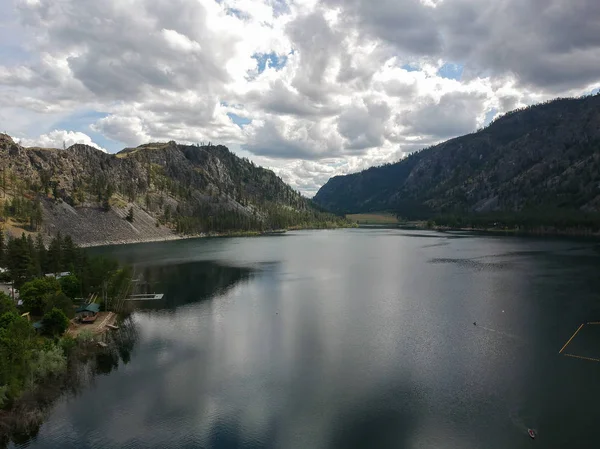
(18, 345)
(24, 210)
(60, 301)
(29, 358)
(55, 322)
(71, 286)
(35, 293)
(530, 221)
(381, 218)
(213, 219)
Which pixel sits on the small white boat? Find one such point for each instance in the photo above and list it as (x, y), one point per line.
(531, 433)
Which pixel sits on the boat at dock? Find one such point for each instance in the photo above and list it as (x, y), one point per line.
(89, 318)
(88, 313)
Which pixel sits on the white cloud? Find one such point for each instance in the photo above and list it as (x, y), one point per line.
(455, 113)
(357, 82)
(60, 139)
(179, 42)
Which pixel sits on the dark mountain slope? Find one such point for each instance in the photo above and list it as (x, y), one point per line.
(544, 156)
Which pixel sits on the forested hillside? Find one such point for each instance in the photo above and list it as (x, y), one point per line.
(154, 191)
(543, 159)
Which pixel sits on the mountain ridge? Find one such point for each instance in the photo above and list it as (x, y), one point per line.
(171, 190)
(543, 156)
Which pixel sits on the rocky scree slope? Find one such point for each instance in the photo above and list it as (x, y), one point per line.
(171, 189)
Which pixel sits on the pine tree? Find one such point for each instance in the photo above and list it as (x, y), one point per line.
(19, 260)
(69, 253)
(55, 254)
(2, 248)
(129, 216)
(36, 217)
(3, 183)
(42, 254)
(35, 268)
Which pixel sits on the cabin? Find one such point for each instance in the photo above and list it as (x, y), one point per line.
(8, 289)
(58, 275)
(88, 313)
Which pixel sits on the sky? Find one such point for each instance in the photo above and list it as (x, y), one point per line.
(310, 89)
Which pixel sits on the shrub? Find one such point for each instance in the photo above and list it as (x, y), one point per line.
(3, 395)
(129, 216)
(67, 343)
(7, 318)
(46, 363)
(71, 286)
(55, 322)
(6, 304)
(15, 348)
(85, 336)
(35, 293)
(62, 302)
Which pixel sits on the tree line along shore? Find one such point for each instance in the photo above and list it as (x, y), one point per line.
(44, 285)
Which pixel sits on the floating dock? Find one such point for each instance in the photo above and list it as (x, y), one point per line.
(104, 322)
(593, 359)
(145, 297)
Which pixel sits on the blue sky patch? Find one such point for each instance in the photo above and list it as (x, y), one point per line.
(237, 13)
(239, 121)
(80, 117)
(489, 115)
(274, 61)
(81, 121)
(451, 71)
(411, 67)
(110, 145)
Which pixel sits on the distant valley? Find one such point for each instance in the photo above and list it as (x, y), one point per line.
(540, 161)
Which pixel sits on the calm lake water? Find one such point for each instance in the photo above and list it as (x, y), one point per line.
(348, 339)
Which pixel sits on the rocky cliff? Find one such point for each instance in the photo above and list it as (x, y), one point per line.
(545, 157)
(153, 192)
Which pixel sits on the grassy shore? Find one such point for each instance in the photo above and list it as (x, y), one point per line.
(375, 218)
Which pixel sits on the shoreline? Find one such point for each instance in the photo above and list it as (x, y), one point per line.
(22, 420)
(540, 232)
(133, 241)
(536, 232)
(176, 237)
(525, 232)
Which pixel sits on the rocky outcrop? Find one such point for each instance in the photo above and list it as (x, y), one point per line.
(172, 189)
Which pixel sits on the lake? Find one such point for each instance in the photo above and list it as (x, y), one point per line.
(360, 338)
